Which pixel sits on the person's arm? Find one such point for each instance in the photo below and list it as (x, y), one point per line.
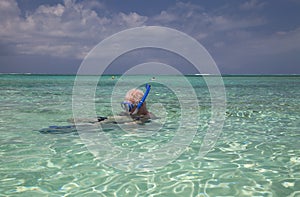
(117, 119)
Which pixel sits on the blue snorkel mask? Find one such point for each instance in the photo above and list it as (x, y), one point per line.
(128, 106)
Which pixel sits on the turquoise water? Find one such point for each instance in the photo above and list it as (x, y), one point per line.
(257, 153)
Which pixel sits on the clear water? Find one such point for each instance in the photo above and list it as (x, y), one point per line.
(257, 154)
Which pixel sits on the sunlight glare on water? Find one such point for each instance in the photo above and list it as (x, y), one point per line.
(257, 154)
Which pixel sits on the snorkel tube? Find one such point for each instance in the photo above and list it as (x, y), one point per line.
(148, 87)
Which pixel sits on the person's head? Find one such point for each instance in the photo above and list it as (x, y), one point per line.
(134, 96)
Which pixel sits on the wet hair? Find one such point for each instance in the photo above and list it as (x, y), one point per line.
(134, 96)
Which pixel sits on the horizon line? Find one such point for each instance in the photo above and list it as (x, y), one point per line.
(111, 74)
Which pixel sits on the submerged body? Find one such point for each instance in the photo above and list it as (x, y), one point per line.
(122, 118)
(135, 113)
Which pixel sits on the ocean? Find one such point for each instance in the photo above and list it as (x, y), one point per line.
(257, 152)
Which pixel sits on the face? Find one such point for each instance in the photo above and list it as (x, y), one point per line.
(142, 110)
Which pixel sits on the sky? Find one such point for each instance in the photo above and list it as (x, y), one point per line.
(243, 37)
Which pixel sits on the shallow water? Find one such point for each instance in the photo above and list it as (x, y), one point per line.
(257, 153)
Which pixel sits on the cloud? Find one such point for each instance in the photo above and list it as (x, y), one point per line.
(275, 43)
(196, 21)
(252, 4)
(63, 30)
(249, 52)
(233, 39)
(71, 29)
(131, 20)
(179, 12)
(8, 9)
(278, 42)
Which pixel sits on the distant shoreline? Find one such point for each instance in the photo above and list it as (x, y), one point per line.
(191, 75)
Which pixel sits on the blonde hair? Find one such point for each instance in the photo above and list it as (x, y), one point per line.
(134, 96)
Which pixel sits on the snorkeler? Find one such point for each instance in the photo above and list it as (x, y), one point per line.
(135, 110)
(135, 105)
